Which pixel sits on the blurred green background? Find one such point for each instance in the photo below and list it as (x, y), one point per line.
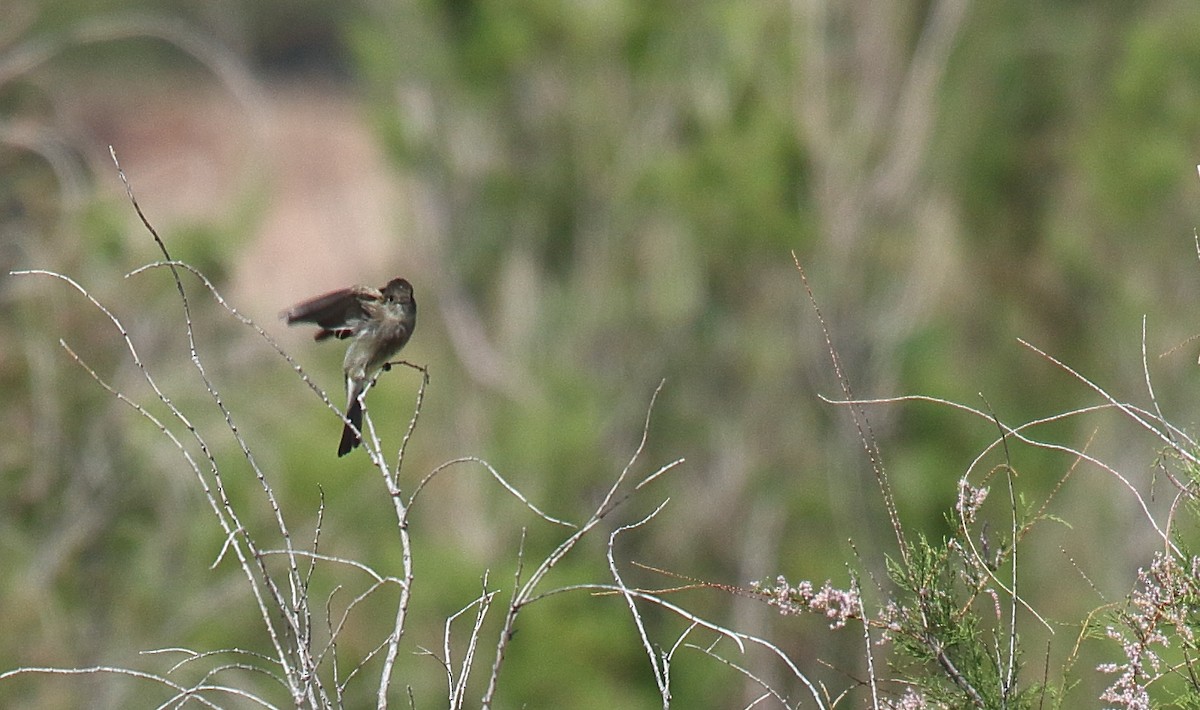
(589, 197)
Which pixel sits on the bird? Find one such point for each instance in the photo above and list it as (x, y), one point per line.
(378, 323)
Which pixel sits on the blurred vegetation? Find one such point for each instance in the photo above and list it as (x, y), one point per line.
(610, 194)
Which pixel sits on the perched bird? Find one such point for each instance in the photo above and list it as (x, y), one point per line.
(379, 323)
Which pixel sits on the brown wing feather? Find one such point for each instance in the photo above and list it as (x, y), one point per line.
(336, 312)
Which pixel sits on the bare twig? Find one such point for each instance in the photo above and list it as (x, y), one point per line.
(182, 692)
(499, 479)
(659, 666)
(865, 434)
(295, 610)
(215, 494)
(526, 593)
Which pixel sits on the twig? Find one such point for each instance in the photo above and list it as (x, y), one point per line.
(866, 435)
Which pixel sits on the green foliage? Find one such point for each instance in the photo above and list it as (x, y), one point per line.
(944, 646)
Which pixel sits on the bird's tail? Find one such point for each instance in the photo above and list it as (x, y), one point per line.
(351, 440)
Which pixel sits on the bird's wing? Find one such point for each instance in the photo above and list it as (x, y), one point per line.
(337, 312)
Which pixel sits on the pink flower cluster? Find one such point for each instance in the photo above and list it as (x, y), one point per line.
(912, 700)
(1161, 606)
(970, 500)
(837, 605)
